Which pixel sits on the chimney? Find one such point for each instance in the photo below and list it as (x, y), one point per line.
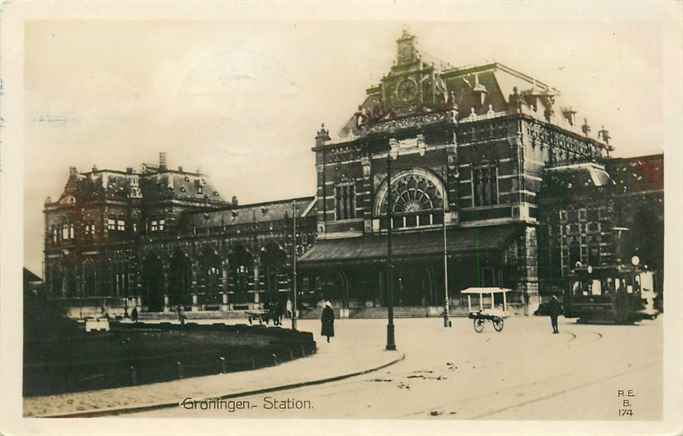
(73, 172)
(235, 203)
(129, 170)
(162, 161)
(180, 169)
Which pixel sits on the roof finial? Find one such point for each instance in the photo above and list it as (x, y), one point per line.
(603, 134)
(322, 136)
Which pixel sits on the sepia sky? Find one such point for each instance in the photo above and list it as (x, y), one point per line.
(242, 101)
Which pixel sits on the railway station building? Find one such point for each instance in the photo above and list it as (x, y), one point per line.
(483, 166)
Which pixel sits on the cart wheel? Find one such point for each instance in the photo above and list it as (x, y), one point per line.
(498, 324)
(478, 325)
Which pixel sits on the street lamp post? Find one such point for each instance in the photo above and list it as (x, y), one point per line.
(445, 254)
(294, 253)
(391, 340)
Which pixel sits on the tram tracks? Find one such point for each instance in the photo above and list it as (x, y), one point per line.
(556, 393)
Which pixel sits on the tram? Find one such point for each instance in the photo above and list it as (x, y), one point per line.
(618, 294)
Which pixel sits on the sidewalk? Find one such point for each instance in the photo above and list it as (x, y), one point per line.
(343, 357)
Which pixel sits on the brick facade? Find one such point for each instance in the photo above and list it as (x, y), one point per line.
(486, 157)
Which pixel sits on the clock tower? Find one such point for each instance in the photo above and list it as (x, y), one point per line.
(411, 86)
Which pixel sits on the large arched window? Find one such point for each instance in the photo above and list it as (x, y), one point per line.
(417, 197)
(241, 273)
(180, 278)
(211, 272)
(273, 260)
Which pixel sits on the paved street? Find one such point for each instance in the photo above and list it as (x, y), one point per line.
(525, 372)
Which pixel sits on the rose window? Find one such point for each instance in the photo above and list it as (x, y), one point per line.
(417, 201)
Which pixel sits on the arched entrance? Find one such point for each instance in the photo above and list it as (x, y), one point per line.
(335, 287)
(89, 278)
(273, 260)
(413, 286)
(70, 282)
(210, 277)
(180, 279)
(153, 284)
(241, 265)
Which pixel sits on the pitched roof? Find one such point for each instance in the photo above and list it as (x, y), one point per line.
(251, 213)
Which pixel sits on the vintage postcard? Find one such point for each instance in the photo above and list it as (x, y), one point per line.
(397, 220)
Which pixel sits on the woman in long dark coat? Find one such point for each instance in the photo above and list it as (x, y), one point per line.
(327, 320)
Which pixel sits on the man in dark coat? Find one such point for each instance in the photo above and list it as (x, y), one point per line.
(181, 314)
(555, 309)
(327, 320)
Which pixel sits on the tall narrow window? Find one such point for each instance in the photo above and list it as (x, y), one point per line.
(485, 185)
(345, 201)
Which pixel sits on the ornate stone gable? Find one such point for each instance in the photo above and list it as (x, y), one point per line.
(412, 85)
(411, 91)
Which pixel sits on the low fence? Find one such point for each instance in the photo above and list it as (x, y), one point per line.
(122, 360)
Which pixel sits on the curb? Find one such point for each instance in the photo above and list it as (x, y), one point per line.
(112, 411)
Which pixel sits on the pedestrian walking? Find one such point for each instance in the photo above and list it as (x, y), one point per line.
(181, 314)
(278, 312)
(327, 320)
(555, 309)
(289, 308)
(134, 314)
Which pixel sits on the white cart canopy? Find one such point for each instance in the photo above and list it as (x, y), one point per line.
(485, 291)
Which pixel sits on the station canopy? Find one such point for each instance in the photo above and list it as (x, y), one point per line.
(461, 242)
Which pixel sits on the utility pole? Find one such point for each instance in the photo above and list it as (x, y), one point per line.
(445, 251)
(391, 340)
(294, 254)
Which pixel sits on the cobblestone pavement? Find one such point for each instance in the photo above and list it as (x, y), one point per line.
(524, 372)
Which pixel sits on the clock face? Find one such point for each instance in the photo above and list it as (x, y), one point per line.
(407, 90)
